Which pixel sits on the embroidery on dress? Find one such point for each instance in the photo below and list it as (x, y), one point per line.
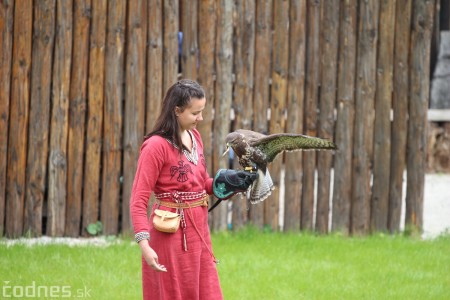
(182, 171)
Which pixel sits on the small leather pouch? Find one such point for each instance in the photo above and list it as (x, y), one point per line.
(166, 221)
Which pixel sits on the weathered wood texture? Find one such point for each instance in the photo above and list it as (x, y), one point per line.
(224, 88)
(328, 80)
(280, 56)
(113, 117)
(189, 55)
(154, 62)
(170, 42)
(400, 109)
(57, 161)
(382, 131)
(207, 53)
(364, 116)
(6, 40)
(18, 125)
(310, 114)
(263, 46)
(41, 74)
(244, 57)
(422, 23)
(82, 82)
(94, 126)
(342, 188)
(294, 120)
(77, 116)
(134, 117)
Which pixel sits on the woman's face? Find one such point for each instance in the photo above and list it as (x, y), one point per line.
(192, 113)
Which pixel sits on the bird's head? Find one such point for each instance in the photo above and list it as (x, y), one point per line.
(233, 140)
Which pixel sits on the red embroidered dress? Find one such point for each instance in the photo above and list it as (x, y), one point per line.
(161, 169)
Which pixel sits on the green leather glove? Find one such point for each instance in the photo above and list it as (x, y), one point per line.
(228, 182)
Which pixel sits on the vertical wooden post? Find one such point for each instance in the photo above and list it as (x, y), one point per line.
(244, 56)
(77, 118)
(280, 59)
(94, 120)
(134, 119)
(170, 43)
(113, 111)
(364, 116)
(6, 39)
(224, 87)
(207, 50)
(294, 121)
(422, 23)
(263, 44)
(400, 109)
(41, 74)
(345, 115)
(310, 114)
(154, 63)
(328, 80)
(18, 129)
(57, 164)
(382, 133)
(189, 58)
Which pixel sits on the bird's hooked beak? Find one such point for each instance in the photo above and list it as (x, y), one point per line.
(227, 150)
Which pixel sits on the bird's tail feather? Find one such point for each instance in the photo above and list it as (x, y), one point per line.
(261, 188)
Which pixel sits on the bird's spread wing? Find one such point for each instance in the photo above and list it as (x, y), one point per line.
(274, 144)
(251, 136)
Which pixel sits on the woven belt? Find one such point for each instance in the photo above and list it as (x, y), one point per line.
(191, 204)
(181, 196)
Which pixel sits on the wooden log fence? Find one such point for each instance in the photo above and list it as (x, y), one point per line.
(82, 81)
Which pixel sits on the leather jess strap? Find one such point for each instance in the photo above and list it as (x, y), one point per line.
(191, 204)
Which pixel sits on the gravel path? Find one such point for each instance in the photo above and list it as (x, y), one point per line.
(71, 242)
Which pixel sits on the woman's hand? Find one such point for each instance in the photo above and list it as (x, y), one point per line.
(151, 257)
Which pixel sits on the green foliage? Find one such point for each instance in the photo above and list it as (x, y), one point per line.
(95, 228)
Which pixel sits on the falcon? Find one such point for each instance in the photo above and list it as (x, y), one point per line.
(256, 150)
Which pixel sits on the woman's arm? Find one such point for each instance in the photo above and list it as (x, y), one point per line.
(151, 160)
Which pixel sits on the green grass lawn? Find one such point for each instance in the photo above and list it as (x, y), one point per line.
(253, 265)
(301, 266)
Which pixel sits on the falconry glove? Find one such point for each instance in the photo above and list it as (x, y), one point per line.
(228, 182)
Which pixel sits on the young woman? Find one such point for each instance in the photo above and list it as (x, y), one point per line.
(171, 165)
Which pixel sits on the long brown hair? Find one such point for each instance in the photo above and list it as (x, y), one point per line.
(179, 94)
